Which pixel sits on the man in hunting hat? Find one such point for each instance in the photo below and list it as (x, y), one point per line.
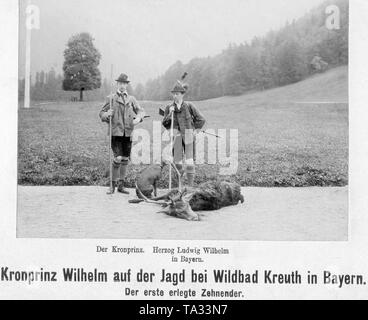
(187, 120)
(125, 113)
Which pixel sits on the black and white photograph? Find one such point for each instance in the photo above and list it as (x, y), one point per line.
(183, 120)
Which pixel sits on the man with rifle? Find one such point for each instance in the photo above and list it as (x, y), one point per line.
(123, 112)
(183, 119)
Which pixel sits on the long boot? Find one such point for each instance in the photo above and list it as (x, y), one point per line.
(123, 171)
(115, 177)
(112, 191)
(121, 188)
(190, 170)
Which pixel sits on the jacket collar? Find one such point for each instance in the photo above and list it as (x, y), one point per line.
(181, 108)
(122, 97)
(124, 93)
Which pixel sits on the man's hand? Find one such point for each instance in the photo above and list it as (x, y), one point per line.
(109, 113)
(171, 110)
(137, 121)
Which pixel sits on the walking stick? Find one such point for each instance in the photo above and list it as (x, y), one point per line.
(110, 131)
(171, 148)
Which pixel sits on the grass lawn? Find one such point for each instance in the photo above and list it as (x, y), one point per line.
(291, 136)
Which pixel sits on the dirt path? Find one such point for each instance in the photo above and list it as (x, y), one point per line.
(268, 214)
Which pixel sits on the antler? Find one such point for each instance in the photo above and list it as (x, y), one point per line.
(180, 185)
(166, 196)
(164, 203)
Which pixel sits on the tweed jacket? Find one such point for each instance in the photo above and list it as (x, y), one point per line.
(185, 118)
(125, 109)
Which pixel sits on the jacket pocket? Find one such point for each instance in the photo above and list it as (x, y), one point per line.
(130, 115)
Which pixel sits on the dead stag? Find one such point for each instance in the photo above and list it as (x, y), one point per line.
(183, 202)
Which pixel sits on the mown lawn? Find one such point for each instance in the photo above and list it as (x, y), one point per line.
(284, 139)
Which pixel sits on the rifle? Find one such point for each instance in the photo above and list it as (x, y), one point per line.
(161, 112)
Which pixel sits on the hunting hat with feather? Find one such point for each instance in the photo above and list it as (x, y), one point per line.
(180, 86)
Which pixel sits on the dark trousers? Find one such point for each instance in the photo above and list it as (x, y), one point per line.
(121, 147)
(183, 151)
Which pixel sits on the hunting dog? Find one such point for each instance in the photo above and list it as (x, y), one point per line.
(148, 179)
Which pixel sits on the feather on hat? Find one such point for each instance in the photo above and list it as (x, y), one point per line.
(180, 86)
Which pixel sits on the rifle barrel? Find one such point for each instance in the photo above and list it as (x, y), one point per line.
(162, 113)
(211, 134)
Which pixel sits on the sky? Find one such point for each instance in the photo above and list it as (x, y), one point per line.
(144, 37)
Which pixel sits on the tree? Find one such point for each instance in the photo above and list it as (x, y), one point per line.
(42, 78)
(38, 82)
(290, 62)
(280, 57)
(21, 86)
(209, 86)
(139, 91)
(81, 65)
(264, 66)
